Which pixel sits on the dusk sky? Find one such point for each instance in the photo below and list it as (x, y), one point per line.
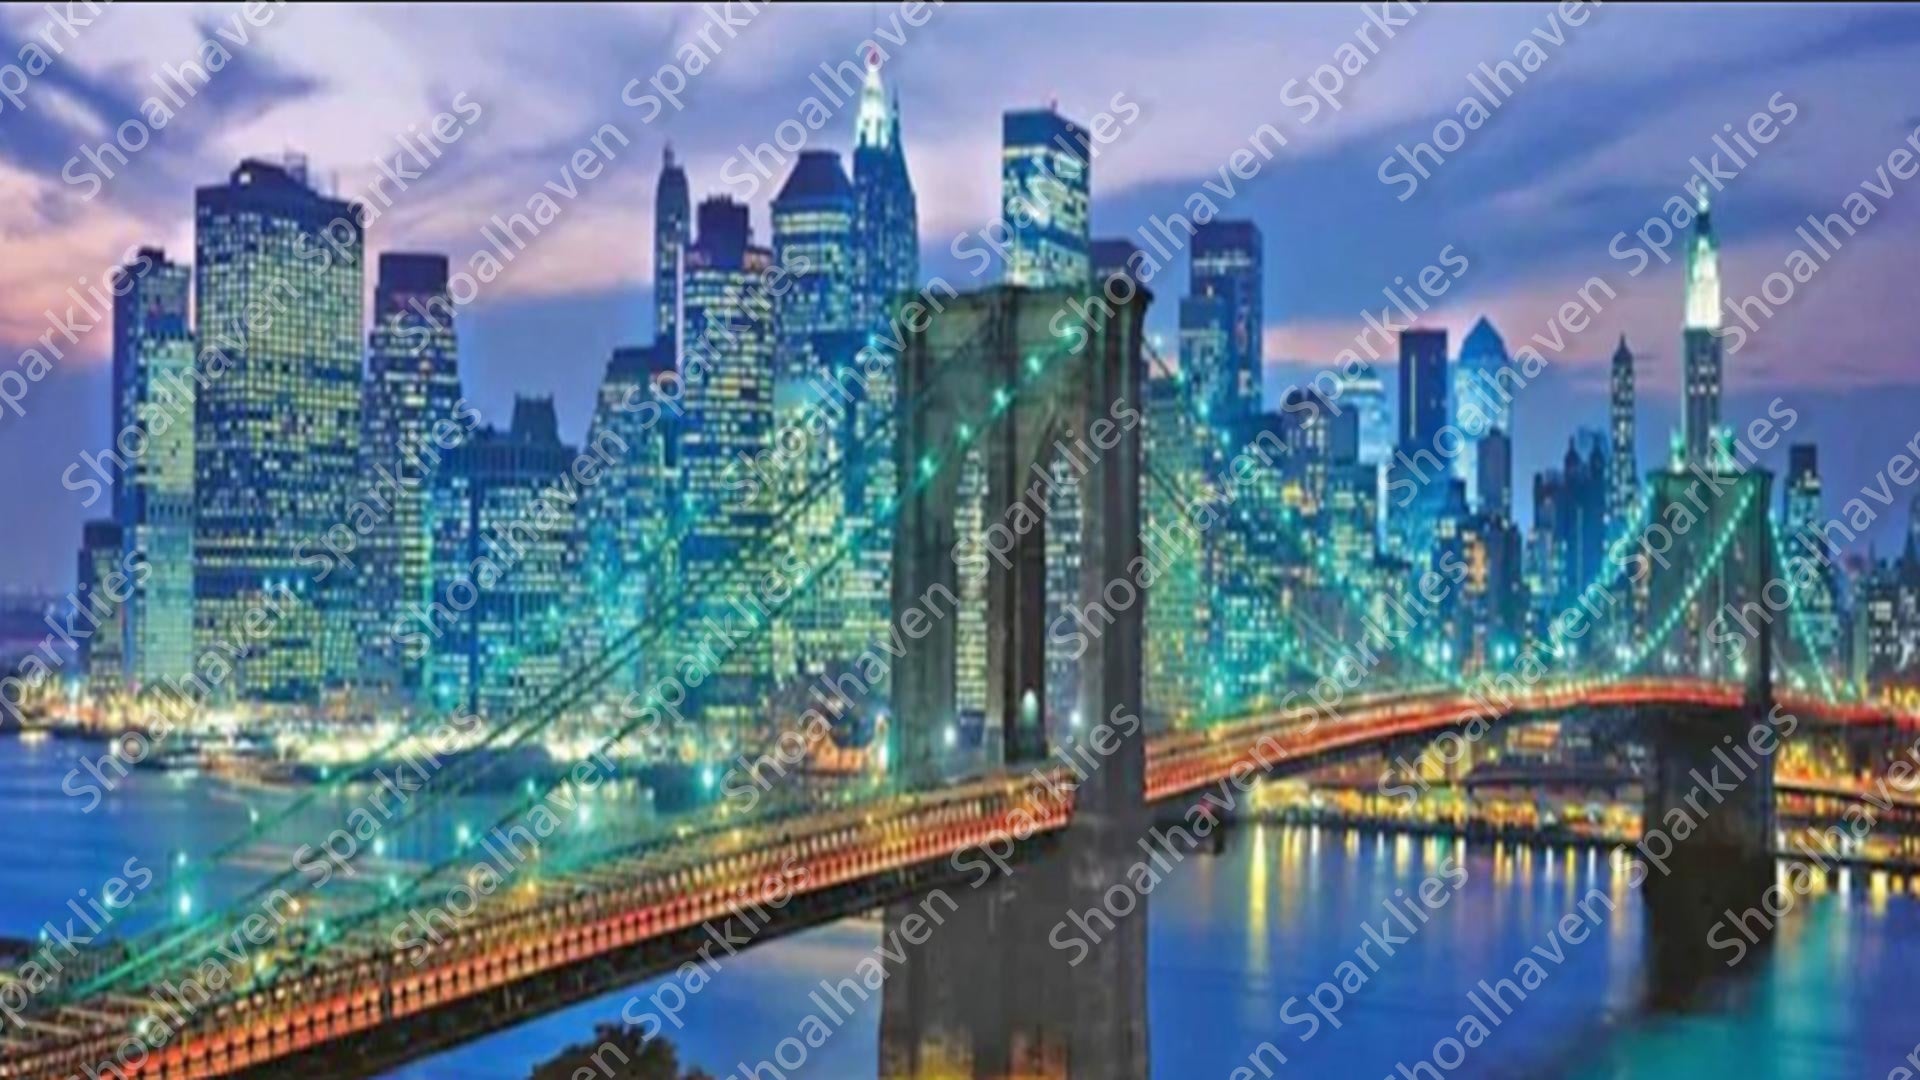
(1592, 144)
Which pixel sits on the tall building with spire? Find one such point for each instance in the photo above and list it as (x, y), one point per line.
(886, 219)
(1701, 377)
(1623, 483)
(886, 267)
(672, 225)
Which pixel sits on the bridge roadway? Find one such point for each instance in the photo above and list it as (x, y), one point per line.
(664, 896)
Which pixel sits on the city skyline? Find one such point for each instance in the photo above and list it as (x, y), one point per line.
(858, 496)
(578, 321)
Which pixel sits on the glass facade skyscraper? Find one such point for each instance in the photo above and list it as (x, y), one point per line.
(726, 360)
(886, 261)
(1700, 340)
(814, 317)
(1226, 285)
(1045, 199)
(153, 408)
(504, 559)
(407, 424)
(629, 520)
(1479, 403)
(1420, 483)
(1623, 486)
(672, 220)
(277, 282)
(815, 345)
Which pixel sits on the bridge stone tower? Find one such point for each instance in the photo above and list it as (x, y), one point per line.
(1724, 861)
(1040, 374)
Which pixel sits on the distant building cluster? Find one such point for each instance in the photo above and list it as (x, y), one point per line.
(306, 510)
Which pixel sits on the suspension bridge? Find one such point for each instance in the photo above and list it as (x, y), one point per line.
(362, 972)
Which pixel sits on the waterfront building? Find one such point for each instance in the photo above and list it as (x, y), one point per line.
(277, 285)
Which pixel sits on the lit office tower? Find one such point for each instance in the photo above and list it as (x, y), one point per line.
(101, 583)
(886, 221)
(1701, 378)
(630, 553)
(726, 359)
(1423, 389)
(407, 425)
(1366, 396)
(672, 218)
(1583, 526)
(1176, 621)
(1226, 267)
(815, 350)
(813, 244)
(1480, 402)
(1045, 200)
(1623, 484)
(886, 260)
(504, 563)
(153, 395)
(1809, 556)
(1418, 492)
(1254, 569)
(1494, 469)
(277, 284)
(1172, 480)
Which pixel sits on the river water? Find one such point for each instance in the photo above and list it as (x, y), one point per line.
(1238, 945)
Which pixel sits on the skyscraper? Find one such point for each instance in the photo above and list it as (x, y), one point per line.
(153, 404)
(886, 260)
(815, 350)
(1045, 199)
(277, 283)
(1176, 620)
(814, 316)
(1701, 377)
(1809, 558)
(1423, 389)
(1227, 267)
(1623, 486)
(407, 424)
(1417, 480)
(886, 222)
(726, 359)
(630, 548)
(504, 563)
(1479, 402)
(1494, 472)
(99, 597)
(672, 218)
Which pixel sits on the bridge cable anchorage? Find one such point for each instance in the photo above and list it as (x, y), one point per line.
(1038, 368)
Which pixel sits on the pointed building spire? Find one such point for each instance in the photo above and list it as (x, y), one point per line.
(875, 124)
(1703, 268)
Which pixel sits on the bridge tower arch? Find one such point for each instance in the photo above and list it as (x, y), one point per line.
(1711, 789)
(1043, 373)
